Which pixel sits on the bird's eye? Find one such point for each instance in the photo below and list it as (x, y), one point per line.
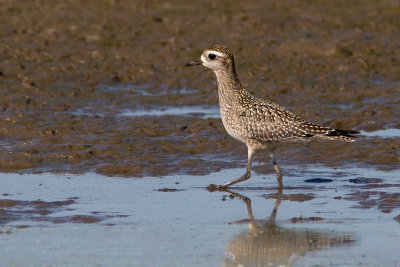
(212, 56)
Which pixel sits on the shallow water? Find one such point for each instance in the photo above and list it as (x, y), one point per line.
(174, 221)
(144, 89)
(385, 133)
(198, 111)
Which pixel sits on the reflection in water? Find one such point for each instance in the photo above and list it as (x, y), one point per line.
(268, 244)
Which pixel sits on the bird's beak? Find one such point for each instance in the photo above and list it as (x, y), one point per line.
(194, 63)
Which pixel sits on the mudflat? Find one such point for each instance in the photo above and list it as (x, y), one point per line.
(71, 71)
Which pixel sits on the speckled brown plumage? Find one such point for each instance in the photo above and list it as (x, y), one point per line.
(259, 123)
(246, 117)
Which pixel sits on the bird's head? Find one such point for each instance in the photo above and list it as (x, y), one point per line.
(216, 57)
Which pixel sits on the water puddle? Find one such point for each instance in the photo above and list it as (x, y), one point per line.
(146, 89)
(175, 221)
(141, 97)
(386, 133)
(127, 88)
(197, 111)
(87, 111)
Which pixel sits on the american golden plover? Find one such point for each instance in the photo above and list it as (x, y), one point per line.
(259, 123)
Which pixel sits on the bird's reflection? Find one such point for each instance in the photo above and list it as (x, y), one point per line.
(267, 244)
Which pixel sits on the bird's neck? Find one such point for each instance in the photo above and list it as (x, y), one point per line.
(228, 82)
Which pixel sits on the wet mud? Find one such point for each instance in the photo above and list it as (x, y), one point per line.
(292, 197)
(70, 72)
(17, 210)
(41, 211)
(305, 220)
(385, 202)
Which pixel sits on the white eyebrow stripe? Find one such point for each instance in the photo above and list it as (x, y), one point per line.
(216, 53)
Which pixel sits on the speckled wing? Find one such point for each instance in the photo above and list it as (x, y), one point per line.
(269, 122)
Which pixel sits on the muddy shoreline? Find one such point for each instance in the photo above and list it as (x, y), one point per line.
(69, 69)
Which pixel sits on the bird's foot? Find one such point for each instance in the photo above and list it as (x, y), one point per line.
(213, 187)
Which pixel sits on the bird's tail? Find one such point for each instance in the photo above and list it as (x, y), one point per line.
(328, 133)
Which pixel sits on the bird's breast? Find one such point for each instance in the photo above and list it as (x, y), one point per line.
(234, 122)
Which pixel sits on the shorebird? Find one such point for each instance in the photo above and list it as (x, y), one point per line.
(259, 123)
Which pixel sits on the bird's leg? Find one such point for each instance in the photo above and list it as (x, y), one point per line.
(278, 173)
(251, 152)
